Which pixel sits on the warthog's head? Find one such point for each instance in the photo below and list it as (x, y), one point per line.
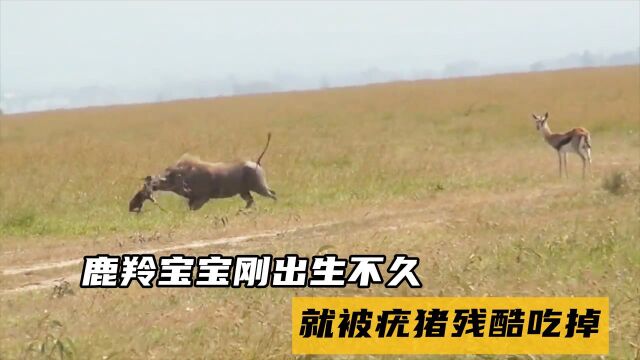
(170, 180)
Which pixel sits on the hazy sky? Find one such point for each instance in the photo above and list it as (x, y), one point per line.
(45, 44)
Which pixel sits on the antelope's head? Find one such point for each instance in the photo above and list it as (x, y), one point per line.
(541, 121)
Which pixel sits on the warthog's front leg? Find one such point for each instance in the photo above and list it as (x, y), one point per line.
(196, 203)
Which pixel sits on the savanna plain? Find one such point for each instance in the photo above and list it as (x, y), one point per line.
(452, 171)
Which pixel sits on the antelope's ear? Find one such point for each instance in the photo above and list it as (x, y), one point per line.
(546, 115)
(534, 116)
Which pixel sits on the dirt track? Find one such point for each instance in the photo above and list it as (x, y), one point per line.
(75, 276)
(379, 221)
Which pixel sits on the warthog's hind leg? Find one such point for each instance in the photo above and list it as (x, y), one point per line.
(266, 193)
(248, 198)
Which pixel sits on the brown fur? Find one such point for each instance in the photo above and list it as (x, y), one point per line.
(144, 194)
(135, 205)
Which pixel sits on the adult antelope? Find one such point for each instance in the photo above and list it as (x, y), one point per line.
(577, 140)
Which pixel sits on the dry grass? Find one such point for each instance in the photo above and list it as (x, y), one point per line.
(488, 215)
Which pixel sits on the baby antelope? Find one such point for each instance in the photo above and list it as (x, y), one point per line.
(144, 194)
(577, 140)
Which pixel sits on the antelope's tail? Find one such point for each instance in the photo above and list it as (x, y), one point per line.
(587, 141)
(265, 149)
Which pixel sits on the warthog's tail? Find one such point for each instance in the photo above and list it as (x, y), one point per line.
(265, 149)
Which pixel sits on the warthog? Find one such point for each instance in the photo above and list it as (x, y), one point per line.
(199, 181)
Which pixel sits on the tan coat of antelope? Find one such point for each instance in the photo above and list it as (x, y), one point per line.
(576, 140)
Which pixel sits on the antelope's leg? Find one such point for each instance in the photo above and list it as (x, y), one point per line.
(589, 158)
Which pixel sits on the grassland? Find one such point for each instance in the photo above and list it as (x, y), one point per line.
(451, 171)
